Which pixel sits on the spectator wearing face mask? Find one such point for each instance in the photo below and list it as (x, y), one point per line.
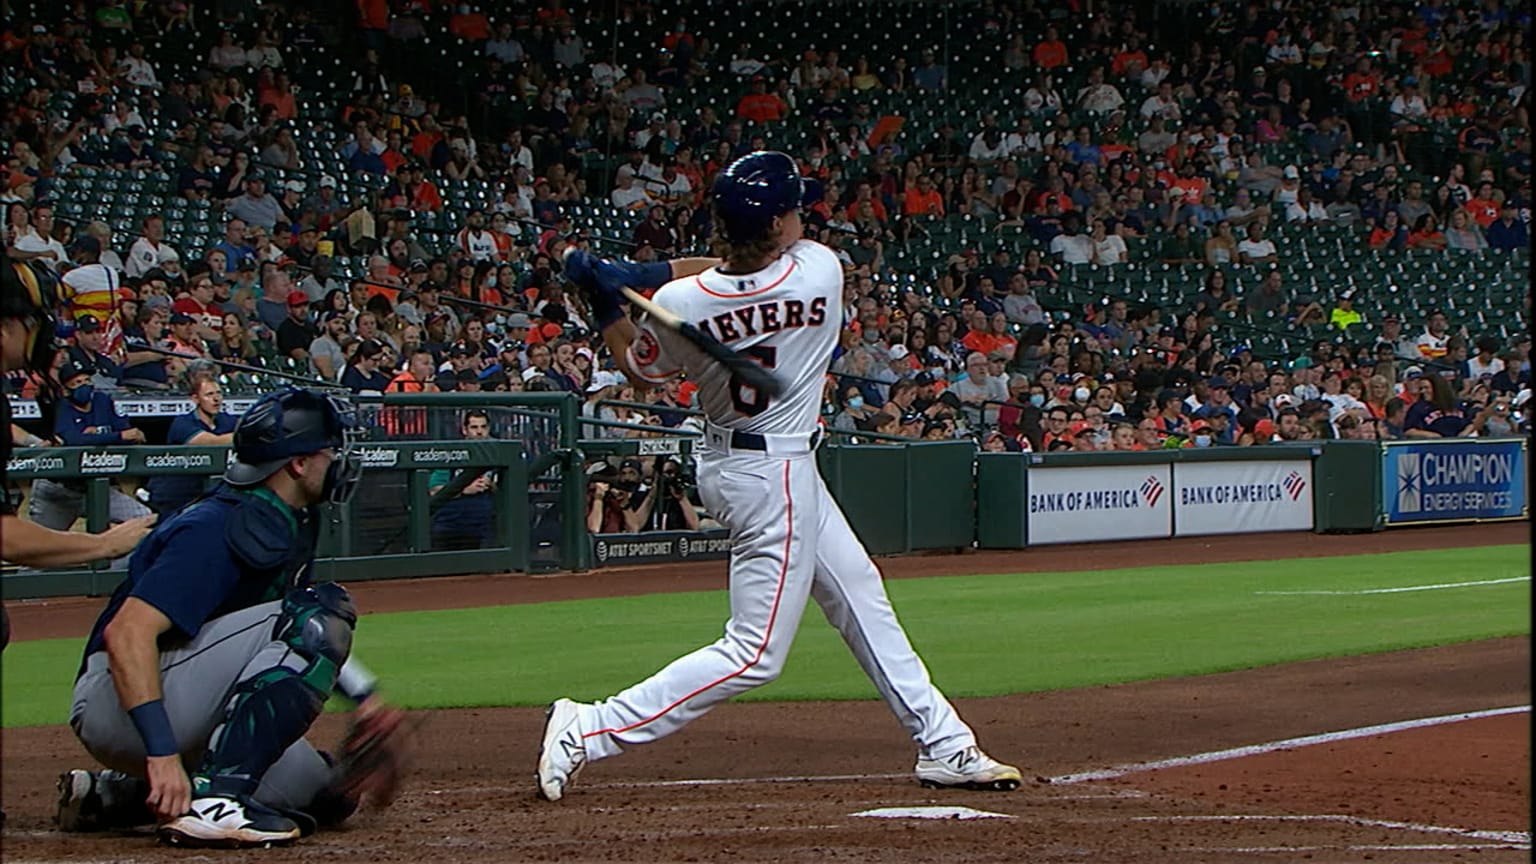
(86, 418)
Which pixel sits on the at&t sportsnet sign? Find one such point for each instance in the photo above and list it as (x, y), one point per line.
(1120, 502)
(1454, 480)
(660, 547)
(1238, 497)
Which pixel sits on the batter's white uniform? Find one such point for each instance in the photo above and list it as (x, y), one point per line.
(790, 540)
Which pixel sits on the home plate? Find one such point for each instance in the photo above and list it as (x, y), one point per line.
(931, 813)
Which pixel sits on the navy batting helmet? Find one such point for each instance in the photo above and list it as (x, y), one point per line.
(291, 423)
(754, 189)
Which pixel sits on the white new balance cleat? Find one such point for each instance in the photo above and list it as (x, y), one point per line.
(968, 769)
(562, 754)
(223, 822)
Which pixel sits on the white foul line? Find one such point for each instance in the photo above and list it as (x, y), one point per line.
(1358, 847)
(1435, 587)
(1523, 837)
(1286, 744)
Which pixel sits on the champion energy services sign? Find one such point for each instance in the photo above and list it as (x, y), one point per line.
(1454, 480)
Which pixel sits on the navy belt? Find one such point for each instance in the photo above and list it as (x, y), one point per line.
(753, 441)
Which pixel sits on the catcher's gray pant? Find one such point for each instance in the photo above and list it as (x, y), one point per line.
(198, 681)
(57, 506)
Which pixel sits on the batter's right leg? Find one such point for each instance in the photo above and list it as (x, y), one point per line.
(851, 593)
(771, 509)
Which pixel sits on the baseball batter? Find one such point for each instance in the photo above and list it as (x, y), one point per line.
(775, 297)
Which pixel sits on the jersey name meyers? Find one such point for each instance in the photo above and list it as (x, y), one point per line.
(768, 317)
(776, 316)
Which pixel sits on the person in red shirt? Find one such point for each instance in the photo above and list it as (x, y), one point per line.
(1050, 52)
(760, 106)
(922, 199)
(1483, 209)
(1130, 61)
(1363, 83)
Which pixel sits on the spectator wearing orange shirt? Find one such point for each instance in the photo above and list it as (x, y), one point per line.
(989, 335)
(1483, 209)
(1130, 61)
(922, 199)
(760, 106)
(471, 26)
(280, 97)
(1050, 52)
(1363, 83)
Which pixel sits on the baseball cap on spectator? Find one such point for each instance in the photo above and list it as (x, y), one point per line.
(923, 378)
(531, 373)
(519, 321)
(603, 378)
(1284, 400)
(1413, 372)
(1302, 363)
(550, 331)
(457, 349)
(1219, 383)
(1264, 429)
(87, 243)
(327, 317)
(1078, 428)
(87, 324)
(298, 298)
(294, 185)
(899, 352)
(1199, 426)
(587, 353)
(182, 318)
(327, 181)
(418, 265)
(911, 417)
(74, 370)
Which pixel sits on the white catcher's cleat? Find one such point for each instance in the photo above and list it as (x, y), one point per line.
(562, 754)
(968, 769)
(222, 822)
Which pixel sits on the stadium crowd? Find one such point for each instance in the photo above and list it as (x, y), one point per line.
(1405, 124)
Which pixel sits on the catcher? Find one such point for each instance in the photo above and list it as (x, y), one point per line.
(216, 654)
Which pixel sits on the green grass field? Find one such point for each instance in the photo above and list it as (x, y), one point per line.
(981, 635)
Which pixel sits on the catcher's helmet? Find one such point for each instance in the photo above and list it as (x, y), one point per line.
(291, 423)
(754, 189)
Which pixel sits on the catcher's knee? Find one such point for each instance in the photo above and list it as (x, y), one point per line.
(317, 624)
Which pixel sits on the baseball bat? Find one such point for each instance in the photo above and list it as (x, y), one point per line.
(745, 370)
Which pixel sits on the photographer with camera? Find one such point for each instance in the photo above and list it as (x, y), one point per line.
(664, 505)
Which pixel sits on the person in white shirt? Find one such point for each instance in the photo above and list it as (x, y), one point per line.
(1099, 96)
(628, 195)
(1108, 249)
(103, 234)
(145, 253)
(38, 241)
(988, 145)
(1305, 209)
(1162, 104)
(1284, 50)
(606, 74)
(1408, 106)
(138, 71)
(263, 54)
(517, 152)
(226, 55)
(1256, 248)
(1023, 139)
(1484, 364)
(1073, 246)
(475, 240)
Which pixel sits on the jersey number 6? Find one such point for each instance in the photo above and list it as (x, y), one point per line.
(749, 400)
